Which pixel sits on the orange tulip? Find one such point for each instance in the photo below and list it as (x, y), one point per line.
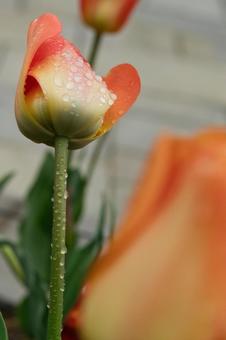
(106, 15)
(60, 95)
(163, 276)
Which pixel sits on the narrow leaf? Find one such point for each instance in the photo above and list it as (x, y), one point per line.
(10, 253)
(79, 261)
(3, 330)
(4, 180)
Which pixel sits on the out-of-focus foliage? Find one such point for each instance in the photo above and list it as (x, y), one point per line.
(29, 257)
(4, 180)
(3, 330)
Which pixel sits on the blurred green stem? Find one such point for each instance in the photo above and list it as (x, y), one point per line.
(95, 156)
(94, 48)
(56, 288)
(12, 260)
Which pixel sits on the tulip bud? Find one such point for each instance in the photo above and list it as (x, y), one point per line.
(106, 15)
(163, 276)
(60, 95)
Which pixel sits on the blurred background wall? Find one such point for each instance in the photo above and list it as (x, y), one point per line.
(179, 48)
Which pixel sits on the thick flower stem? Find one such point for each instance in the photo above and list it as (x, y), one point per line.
(94, 48)
(56, 288)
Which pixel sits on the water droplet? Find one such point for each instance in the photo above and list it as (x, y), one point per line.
(110, 102)
(61, 277)
(52, 199)
(48, 306)
(64, 250)
(58, 81)
(79, 61)
(70, 85)
(103, 100)
(65, 195)
(103, 90)
(77, 79)
(61, 263)
(66, 98)
(113, 96)
(67, 54)
(98, 78)
(62, 289)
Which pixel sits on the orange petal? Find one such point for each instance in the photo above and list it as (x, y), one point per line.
(164, 169)
(44, 27)
(41, 29)
(124, 81)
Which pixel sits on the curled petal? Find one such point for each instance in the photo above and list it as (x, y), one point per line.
(124, 82)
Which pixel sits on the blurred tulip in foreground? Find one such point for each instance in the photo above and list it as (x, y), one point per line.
(106, 15)
(60, 95)
(163, 277)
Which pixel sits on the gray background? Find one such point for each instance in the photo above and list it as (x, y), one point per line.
(179, 48)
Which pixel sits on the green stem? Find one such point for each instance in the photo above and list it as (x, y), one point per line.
(94, 48)
(56, 288)
(95, 156)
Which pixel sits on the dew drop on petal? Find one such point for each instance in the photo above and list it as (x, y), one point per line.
(103, 100)
(58, 81)
(77, 79)
(70, 85)
(113, 96)
(66, 98)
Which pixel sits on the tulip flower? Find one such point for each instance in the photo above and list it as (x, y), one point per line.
(60, 95)
(163, 276)
(106, 15)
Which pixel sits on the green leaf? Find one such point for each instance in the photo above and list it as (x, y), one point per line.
(36, 226)
(3, 330)
(11, 254)
(79, 260)
(112, 218)
(4, 180)
(32, 313)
